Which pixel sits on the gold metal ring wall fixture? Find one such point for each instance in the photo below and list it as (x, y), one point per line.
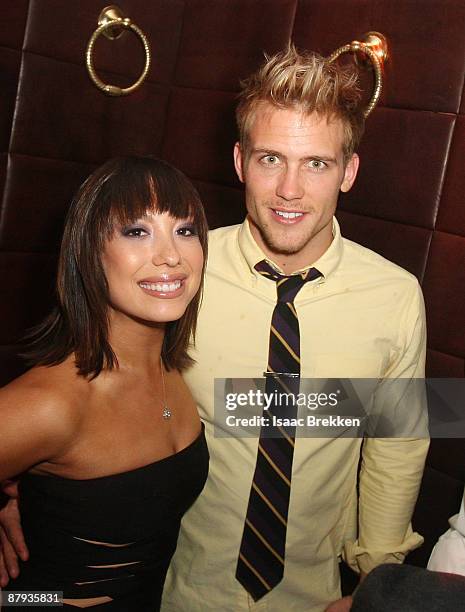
(111, 23)
(374, 45)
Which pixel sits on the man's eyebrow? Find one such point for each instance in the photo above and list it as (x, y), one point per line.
(266, 151)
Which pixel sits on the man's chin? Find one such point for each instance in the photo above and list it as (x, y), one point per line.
(282, 248)
(276, 244)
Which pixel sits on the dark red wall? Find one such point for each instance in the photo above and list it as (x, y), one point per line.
(408, 203)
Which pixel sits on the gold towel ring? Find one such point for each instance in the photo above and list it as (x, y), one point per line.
(110, 21)
(374, 45)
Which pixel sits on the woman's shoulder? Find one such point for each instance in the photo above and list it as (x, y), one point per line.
(39, 418)
(45, 394)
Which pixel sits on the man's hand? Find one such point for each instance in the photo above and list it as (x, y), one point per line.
(345, 604)
(341, 605)
(12, 542)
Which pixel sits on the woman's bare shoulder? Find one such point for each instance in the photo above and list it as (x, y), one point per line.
(40, 417)
(49, 395)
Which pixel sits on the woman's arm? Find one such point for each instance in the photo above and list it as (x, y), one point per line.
(36, 425)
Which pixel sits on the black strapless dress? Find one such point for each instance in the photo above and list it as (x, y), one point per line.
(130, 521)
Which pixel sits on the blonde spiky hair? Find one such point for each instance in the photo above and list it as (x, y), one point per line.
(307, 82)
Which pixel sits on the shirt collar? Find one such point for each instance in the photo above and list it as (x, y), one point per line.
(326, 264)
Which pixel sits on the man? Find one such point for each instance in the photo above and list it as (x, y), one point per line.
(299, 122)
(359, 316)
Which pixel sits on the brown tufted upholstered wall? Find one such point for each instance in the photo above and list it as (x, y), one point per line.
(408, 203)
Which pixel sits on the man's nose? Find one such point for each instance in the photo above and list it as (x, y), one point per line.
(165, 252)
(290, 184)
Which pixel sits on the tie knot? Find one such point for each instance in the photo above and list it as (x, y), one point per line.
(286, 286)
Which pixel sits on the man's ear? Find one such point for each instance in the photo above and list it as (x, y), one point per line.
(350, 173)
(238, 161)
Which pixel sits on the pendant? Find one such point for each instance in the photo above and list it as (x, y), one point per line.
(166, 413)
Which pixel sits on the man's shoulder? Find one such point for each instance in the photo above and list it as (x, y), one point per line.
(365, 262)
(224, 253)
(219, 237)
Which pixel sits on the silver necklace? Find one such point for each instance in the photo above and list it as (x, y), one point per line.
(166, 414)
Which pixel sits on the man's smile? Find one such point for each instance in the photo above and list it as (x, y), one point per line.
(287, 217)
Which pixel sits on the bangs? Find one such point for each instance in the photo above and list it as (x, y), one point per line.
(138, 186)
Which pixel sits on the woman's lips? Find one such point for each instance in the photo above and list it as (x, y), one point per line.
(169, 287)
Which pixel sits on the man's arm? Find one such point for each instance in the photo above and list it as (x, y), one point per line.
(12, 544)
(341, 605)
(392, 468)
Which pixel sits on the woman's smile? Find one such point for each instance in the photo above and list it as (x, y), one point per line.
(169, 286)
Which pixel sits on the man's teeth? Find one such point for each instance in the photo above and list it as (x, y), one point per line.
(161, 287)
(288, 215)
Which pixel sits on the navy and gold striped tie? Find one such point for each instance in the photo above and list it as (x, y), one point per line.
(260, 566)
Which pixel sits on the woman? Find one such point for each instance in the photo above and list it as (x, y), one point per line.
(103, 429)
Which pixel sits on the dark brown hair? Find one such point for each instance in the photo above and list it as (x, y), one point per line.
(119, 192)
(305, 82)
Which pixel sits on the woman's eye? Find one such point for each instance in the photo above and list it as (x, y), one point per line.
(134, 232)
(187, 230)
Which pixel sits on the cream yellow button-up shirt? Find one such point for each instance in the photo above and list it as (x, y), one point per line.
(364, 318)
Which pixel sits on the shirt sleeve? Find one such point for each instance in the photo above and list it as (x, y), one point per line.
(392, 468)
(449, 553)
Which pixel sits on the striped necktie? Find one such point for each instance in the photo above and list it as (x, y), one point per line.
(260, 566)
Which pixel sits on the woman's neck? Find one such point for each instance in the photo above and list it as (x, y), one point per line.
(136, 344)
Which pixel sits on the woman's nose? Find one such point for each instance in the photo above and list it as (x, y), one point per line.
(165, 252)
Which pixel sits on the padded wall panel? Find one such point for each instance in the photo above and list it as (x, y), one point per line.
(223, 41)
(384, 237)
(442, 365)
(436, 487)
(232, 204)
(36, 203)
(13, 22)
(201, 121)
(439, 457)
(3, 164)
(11, 365)
(426, 40)
(403, 158)
(65, 37)
(26, 293)
(444, 294)
(428, 74)
(324, 26)
(10, 61)
(451, 216)
(80, 123)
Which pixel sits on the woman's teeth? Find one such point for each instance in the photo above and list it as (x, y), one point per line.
(161, 287)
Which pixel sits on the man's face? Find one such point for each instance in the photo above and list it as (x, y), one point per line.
(293, 173)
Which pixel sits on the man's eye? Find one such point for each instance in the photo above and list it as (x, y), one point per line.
(317, 164)
(188, 230)
(270, 160)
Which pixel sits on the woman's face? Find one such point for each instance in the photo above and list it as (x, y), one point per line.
(153, 267)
